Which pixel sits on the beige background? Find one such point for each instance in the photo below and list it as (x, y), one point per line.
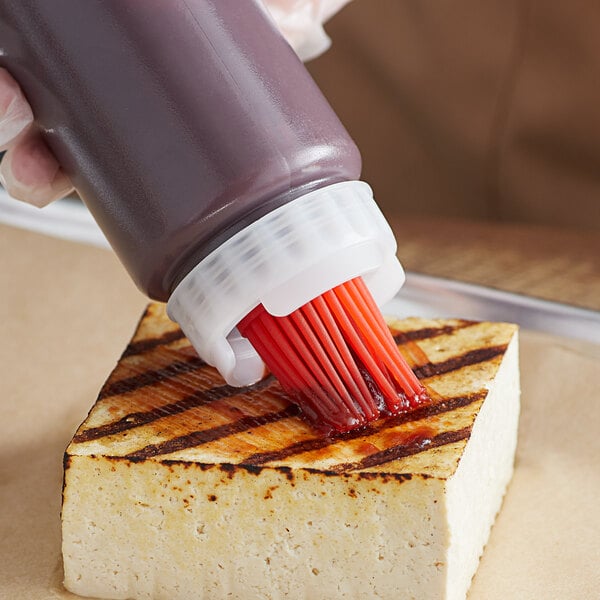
(66, 313)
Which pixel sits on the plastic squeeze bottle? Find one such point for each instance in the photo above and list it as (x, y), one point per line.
(210, 159)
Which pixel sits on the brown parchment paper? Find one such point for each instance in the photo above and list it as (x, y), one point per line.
(67, 312)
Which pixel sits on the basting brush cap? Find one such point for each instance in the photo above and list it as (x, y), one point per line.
(282, 261)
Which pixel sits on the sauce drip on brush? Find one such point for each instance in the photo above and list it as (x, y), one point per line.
(336, 358)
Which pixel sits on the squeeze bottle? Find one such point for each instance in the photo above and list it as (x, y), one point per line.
(213, 164)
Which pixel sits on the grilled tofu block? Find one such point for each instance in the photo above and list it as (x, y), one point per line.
(179, 487)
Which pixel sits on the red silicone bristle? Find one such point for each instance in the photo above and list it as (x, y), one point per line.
(323, 350)
(378, 336)
(336, 357)
(325, 326)
(340, 309)
(315, 395)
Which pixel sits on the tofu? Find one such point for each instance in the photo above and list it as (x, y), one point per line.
(179, 487)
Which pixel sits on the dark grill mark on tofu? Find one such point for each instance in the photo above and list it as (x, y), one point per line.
(151, 377)
(419, 444)
(199, 398)
(151, 343)
(425, 333)
(472, 357)
(196, 438)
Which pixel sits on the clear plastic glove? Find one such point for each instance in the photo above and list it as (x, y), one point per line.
(30, 172)
(301, 22)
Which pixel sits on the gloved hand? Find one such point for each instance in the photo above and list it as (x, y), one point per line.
(30, 172)
(301, 22)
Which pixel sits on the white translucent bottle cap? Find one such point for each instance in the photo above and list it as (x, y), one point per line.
(284, 260)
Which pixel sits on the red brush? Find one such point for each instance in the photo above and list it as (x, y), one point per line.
(336, 358)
